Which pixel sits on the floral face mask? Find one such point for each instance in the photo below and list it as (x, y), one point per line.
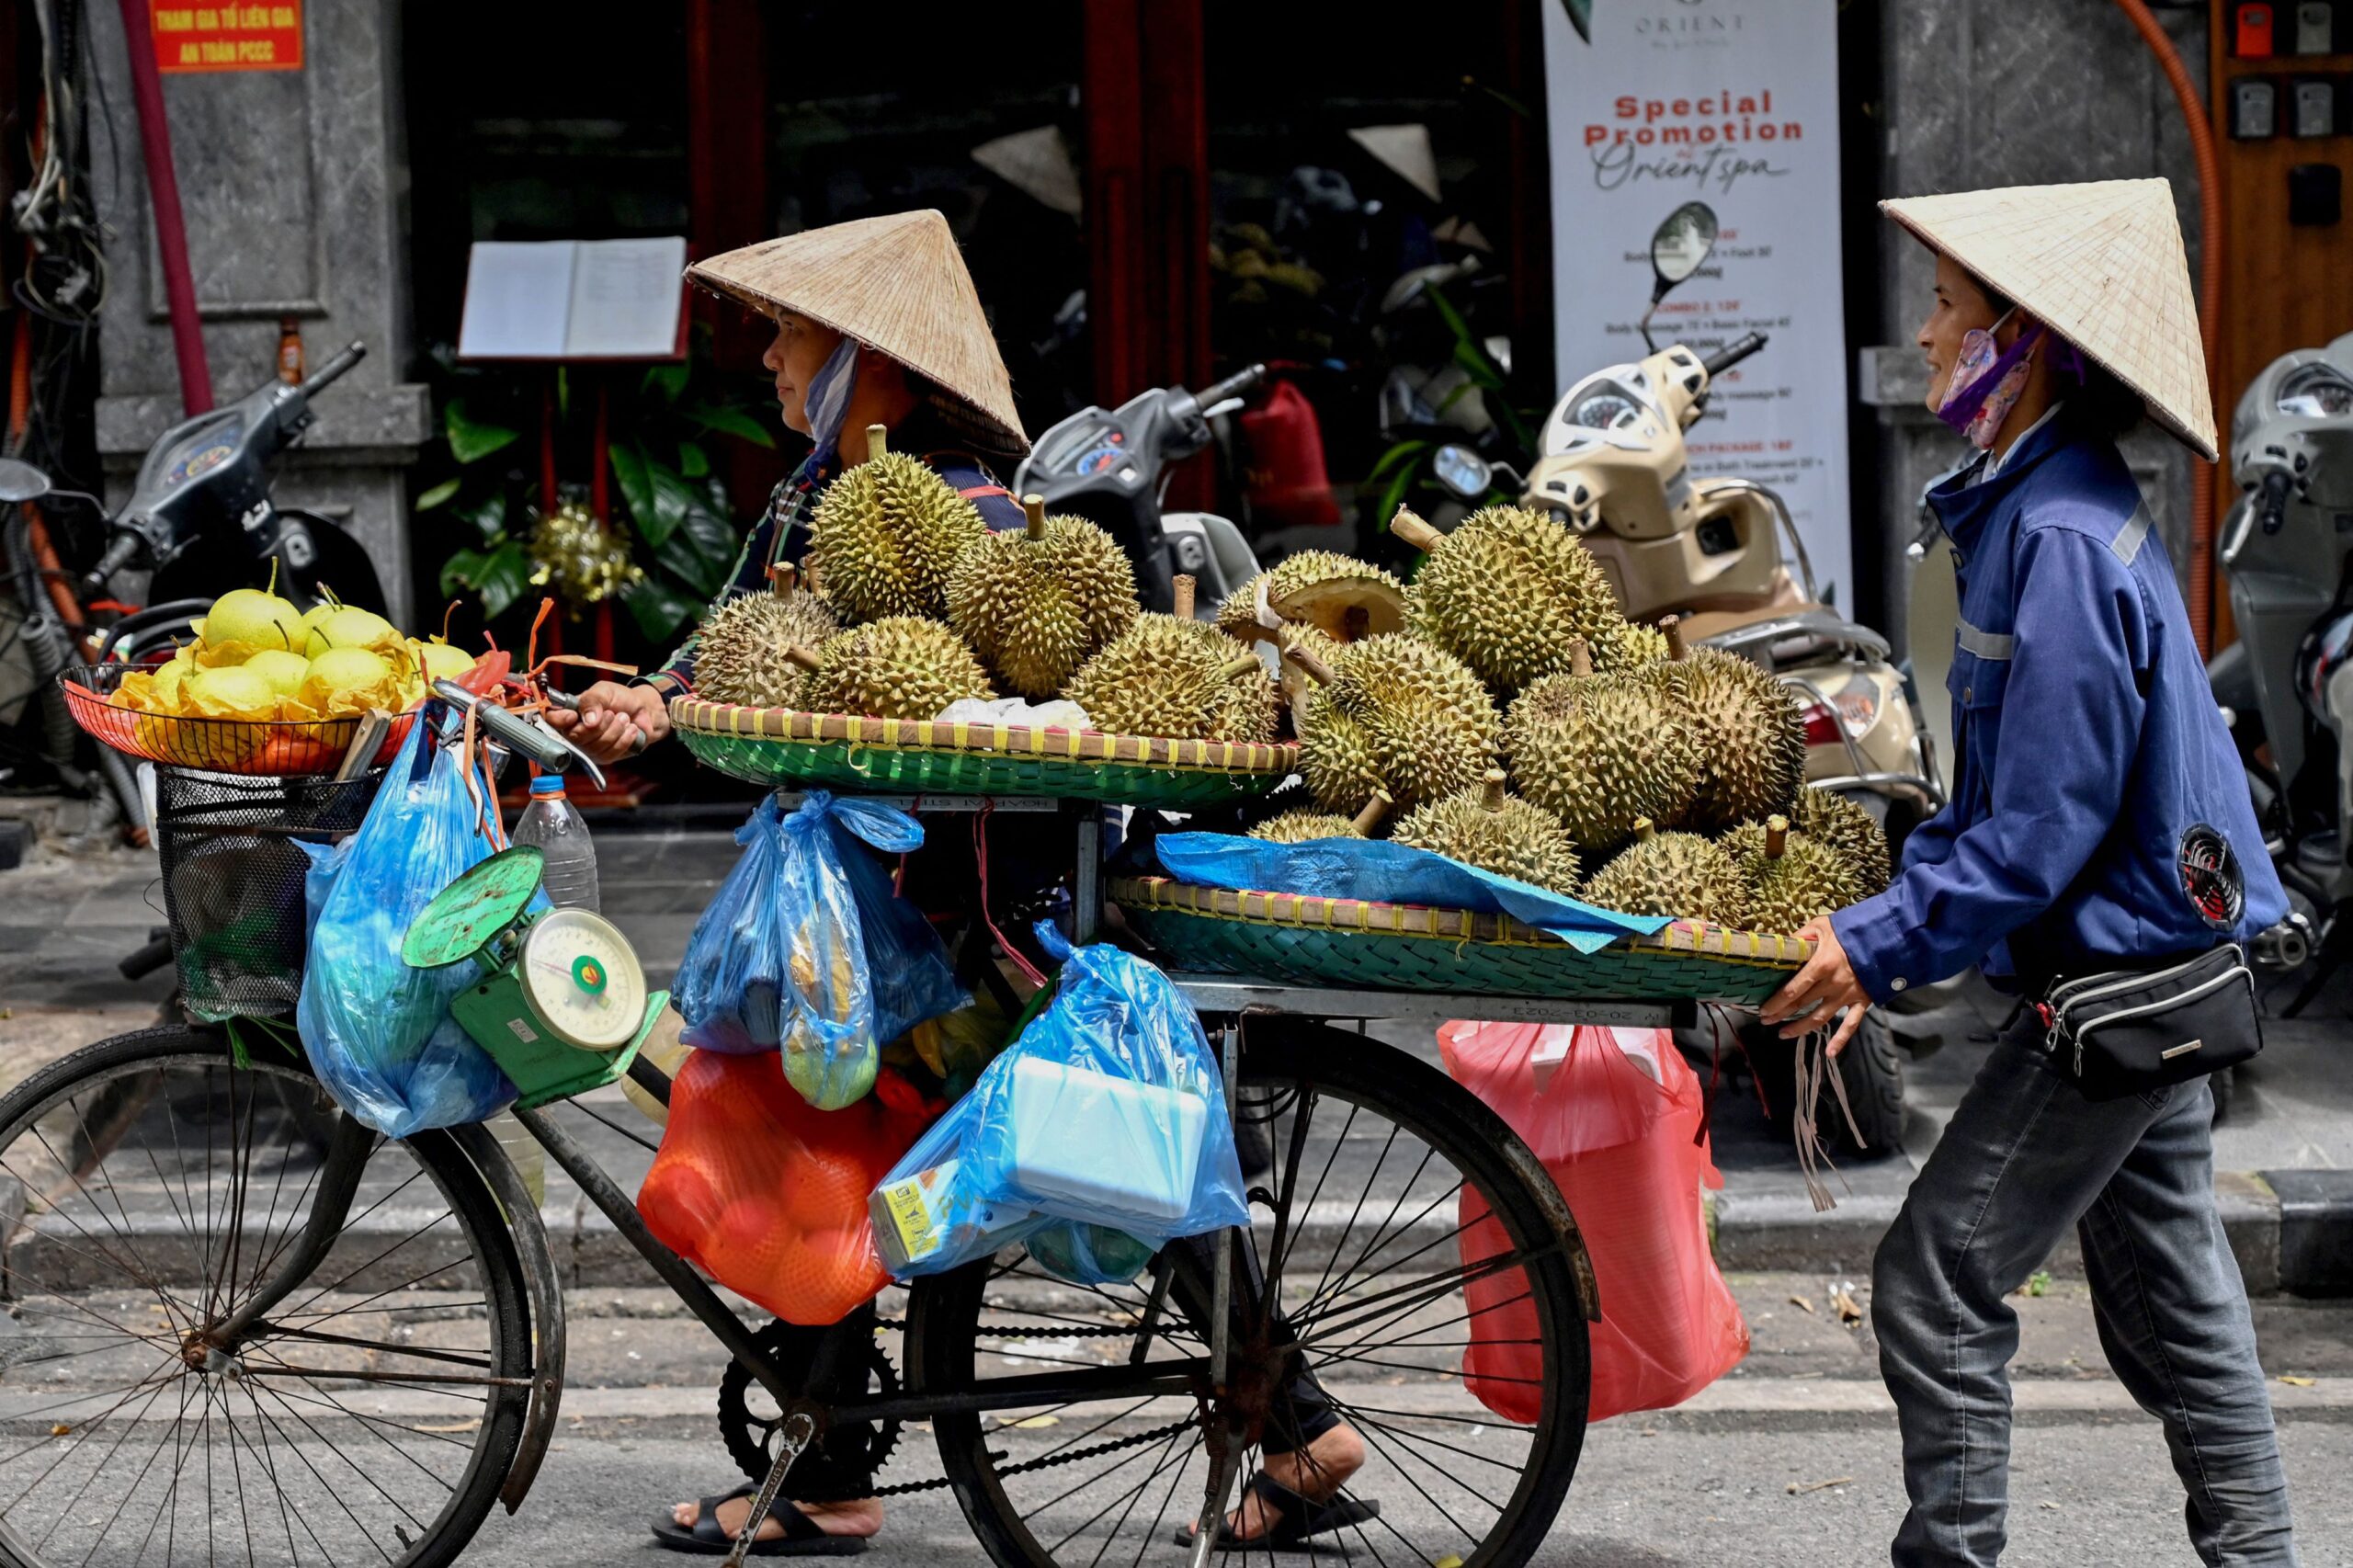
(1986, 382)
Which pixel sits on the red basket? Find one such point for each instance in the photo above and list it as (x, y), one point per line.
(257, 747)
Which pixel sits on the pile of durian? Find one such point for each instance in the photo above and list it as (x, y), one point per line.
(1501, 712)
(909, 605)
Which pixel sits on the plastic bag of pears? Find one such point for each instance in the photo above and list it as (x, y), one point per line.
(807, 950)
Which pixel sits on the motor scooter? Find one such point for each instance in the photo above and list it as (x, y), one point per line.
(1612, 468)
(1110, 466)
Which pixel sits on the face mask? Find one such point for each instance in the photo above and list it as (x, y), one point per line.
(1986, 382)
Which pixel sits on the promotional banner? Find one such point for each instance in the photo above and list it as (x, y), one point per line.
(1733, 103)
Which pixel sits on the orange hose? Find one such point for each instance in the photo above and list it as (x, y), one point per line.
(2209, 297)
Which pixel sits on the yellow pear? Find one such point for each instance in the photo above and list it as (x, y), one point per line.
(345, 669)
(348, 626)
(231, 691)
(442, 662)
(284, 671)
(252, 616)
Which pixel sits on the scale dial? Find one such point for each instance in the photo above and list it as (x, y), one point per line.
(582, 979)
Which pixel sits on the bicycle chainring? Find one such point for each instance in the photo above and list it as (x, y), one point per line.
(840, 1466)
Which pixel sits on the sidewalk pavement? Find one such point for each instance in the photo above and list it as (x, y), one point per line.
(2284, 1154)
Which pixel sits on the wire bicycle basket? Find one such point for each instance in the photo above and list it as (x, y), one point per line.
(251, 747)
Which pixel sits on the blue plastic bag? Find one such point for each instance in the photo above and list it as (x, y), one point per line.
(1383, 872)
(808, 950)
(379, 1032)
(1108, 1111)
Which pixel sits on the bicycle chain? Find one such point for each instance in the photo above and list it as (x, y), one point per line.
(1049, 1461)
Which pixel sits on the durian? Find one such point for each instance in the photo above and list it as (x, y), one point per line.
(1679, 874)
(1630, 645)
(1600, 751)
(1173, 677)
(1506, 591)
(899, 667)
(1750, 730)
(1318, 588)
(1035, 603)
(886, 533)
(744, 653)
(1392, 712)
(1791, 878)
(1848, 831)
(1299, 827)
(1488, 828)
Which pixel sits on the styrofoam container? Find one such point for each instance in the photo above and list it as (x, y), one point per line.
(1096, 1147)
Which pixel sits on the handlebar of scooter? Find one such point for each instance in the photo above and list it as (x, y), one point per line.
(119, 550)
(1724, 359)
(2272, 503)
(333, 368)
(1234, 385)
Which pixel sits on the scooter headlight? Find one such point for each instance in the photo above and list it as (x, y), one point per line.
(2315, 392)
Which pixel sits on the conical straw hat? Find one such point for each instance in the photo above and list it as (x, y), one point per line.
(2101, 265)
(897, 284)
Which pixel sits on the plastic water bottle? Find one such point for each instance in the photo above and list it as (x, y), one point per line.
(550, 822)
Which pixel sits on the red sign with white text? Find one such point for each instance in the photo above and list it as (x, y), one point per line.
(227, 38)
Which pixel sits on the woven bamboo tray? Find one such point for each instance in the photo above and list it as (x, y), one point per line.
(777, 746)
(1397, 946)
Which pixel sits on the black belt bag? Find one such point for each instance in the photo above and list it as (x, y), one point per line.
(2129, 1031)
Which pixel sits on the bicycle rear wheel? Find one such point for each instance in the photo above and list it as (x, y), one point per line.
(149, 1185)
(1372, 1267)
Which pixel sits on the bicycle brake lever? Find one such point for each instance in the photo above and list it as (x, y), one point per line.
(518, 733)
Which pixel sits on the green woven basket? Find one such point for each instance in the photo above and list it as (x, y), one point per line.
(1396, 947)
(777, 747)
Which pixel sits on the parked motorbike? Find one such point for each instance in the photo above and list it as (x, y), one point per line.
(2286, 684)
(1110, 466)
(1611, 466)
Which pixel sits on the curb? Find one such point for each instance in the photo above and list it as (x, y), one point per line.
(2291, 1231)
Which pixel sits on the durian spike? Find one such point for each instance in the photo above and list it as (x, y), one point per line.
(1356, 621)
(804, 657)
(1033, 508)
(1644, 829)
(1777, 837)
(1183, 584)
(1410, 528)
(1314, 669)
(1672, 628)
(1580, 657)
(878, 441)
(1239, 665)
(1491, 795)
(1374, 809)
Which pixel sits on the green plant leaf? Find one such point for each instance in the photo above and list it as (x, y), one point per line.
(564, 391)
(488, 516)
(658, 608)
(496, 579)
(1399, 483)
(637, 490)
(728, 421)
(1403, 451)
(702, 549)
(471, 441)
(693, 461)
(672, 498)
(665, 381)
(1478, 366)
(438, 493)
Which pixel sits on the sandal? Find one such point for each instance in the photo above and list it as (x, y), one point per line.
(1298, 1517)
(803, 1537)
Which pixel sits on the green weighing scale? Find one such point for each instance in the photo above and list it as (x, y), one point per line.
(563, 1007)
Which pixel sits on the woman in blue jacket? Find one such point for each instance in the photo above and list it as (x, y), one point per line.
(2098, 821)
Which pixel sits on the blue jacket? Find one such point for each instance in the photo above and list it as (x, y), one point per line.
(2087, 749)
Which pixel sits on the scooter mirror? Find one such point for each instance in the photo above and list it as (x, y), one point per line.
(1681, 243)
(21, 481)
(1463, 471)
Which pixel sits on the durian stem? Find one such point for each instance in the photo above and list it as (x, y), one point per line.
(1406, 525)
(1184, 595)
(1033, 508)
(1374, 809)
(1580, 657)
(1492, 789)
(1242, 664)
(1672, 628)
(1315, 669)
(783, 579)
(1777, 837)
(1645, 829)
(805, 658)
(878, 441)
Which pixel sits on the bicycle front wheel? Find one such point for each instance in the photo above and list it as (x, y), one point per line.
(148, 1187)
(1409, 1273)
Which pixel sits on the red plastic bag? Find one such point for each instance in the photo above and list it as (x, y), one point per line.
(766, 1193)
(1618, 1124)
(1285, 477)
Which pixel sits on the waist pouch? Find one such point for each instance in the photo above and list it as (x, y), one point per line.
(2128, 1031)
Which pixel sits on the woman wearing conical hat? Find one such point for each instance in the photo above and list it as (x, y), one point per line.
(2099, 822)
(877, 323)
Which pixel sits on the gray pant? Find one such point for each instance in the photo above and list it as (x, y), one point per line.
(2025, 1157)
